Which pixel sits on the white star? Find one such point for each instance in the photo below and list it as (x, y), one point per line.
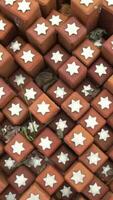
(49, 180)
(1, 56)
(101, 69)
(75, 106)
(2, 93)
(57, 56)
(63, 157)
(15, 46)
(103, 134)
(45, 143)
(27, 56)
(72, 68)
(72, 29)
(35, 161)
(33, 127)
(9, 2)
(33, 197)
(19, 79)
(20, 180)
(91, 122)
(24, 6)
(86, 2)
(94, 158)
(30, 94)
(77, 177)
(17, 147)
(10, 196)
(61, 125)
(2, 25)
(104, 102)
(41, 29)
(110, 2)
(78, 139)
(9, 163)
(87, 90)
(55, 20)
(66, 191)
(60, 92)
(15, 109)
(105, 170)
(94, 189)
(43, 108)
(87, 52)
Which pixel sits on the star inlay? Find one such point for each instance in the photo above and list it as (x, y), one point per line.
(10, 196)
(30, 94)
(110, 2)
(75, 106)
(72, 29)
(41, 29)
(19, 79)
(18, 147)
(78, 139)
(2, 25)
(91, 122)
(57, 56)
(72, 68)
(9, 2)
(2, 93)
(33, 127)
(33, 197)
(15, 109)
(9, 163)
(94, 189)
(49, 180)
(61, 125)
(78, 177)
(35, 161)
(103, 134)
(93, 158)
(15, 46)
(45, 143)
(63, 158)
(1, 56)
(24, 6)
(86, 2)
(105, 170)
(60, 92)
(43, 108)
(87, 52)
(20, 180)
(101, 69)
(55, 20)
(104, 103)
(66, 191)
(87, 90)
(27, 56)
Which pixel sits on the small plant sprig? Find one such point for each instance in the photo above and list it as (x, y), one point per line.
(97, 34)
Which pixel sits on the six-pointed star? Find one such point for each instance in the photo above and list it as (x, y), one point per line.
(33, 197)
(72, 68)
(86, 2)
(103, 134)
(9, 2)
(78, 139)
(43, 108)
(87, 90)
(10, 196)
(63, 158)
(66, 191)
(91, 122)
(24, 6)
(104, 102)
(9, 163)
(110, 2)
(50, 180)
(87, 52)
(60, 92)
(105, 170)
(30, 94)
(19, 79)
(18, 147)
(78, 177)
(55, 20)
(27, 56)
(45, 143)
(15, 46)
(41, 29)
(101, 69)
(75, 106)
(57, 56)
(61, 125)
(15, 109)
(20, 180)
(94, 189)
(72, 29)
(93, 158)
(2, 25)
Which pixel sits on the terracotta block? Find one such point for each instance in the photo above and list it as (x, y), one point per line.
(30, 60)
(110, 121)
(108, 196)
(9, 192)
(44, 177)
(71, 33)
(3, 182)
(100, 71)
(7, 64)
(19, 79)
(63, 158)
(110, 152)
(56, 57)
(72, 72)
(87, 11)
(56, 19)
(42, 35)
(16, 111)
(46, 6)
(18, 148)
(23, 14)
(6, 93)
(47, 142)
(92, 121)
(7, 30)
(30, 93)
(44, 109)
(109, 84)
(21, 179)
(87, 52)
(103, 103)
(75, 171)
(78, 139)
(107, 50)
(35, 191)
(93, 158)
(62, 124)
(88, 90)
(96, 189)
(105, 173)
(59, 91)
(104, 138)
(7, 164)
(75, 106)
(16, 45)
